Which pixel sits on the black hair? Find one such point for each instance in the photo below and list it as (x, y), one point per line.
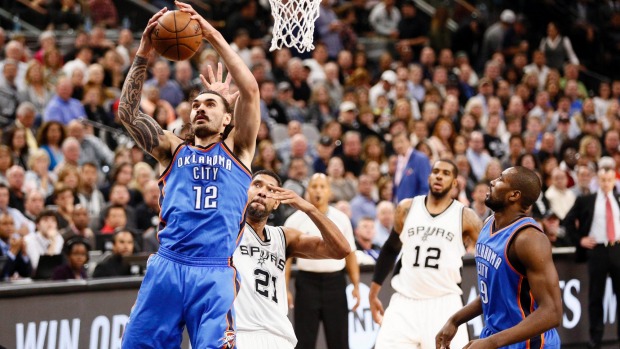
(228, 108)
(46, 213)
(455, 169)
(270, 174)
(76, 240)
(528, 183)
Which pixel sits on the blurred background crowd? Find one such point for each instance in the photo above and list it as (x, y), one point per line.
(391, 86)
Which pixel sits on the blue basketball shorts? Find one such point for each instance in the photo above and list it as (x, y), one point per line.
(178, 292)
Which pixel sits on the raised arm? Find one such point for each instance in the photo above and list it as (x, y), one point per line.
(145, 131)
(533, 250)
(331, 243)
(387, 257)
(247, 108)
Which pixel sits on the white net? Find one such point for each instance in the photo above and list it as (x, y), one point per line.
(294, 23)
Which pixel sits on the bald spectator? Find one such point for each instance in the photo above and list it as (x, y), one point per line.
(92, 149)
(362, 204)
(34, 204)
(79, 226)
(560, 198)
(15, 176)
(62, 107)
(14, 50)
(384, 222)
(8, 91)
(477, 156)
(169, 90)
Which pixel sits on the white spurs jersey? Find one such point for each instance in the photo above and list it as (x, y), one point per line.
(261, 304)
(432, 253)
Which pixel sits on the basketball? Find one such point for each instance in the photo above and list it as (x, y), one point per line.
(176, 36)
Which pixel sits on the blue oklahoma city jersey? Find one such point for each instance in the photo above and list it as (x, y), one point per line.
(196, 220)
(504, 291)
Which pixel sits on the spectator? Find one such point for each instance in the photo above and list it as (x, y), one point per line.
(352, 154)
(83, 58)
(329, 29)
(62, 108)
(15, 181)
(593, 224)
(554, 231)
(560, 198)
(341, 188)
(25, 116)
(384, 18)
(412, 170)
(271, 108)
(9, 95)
(477, 204)
(169, 90)
(76, 256)
(92, 149)
(46, 240)
(583, 183)
(266, 158)
(88, 193)
(384, 222)
(557, 48)
(324, 151)
(103, 13)
(363, 205)
(23, 225)
(115, 217)
(50, 137)
(385, 87)
(123, 246)
(494, 35)
(12, 247)
(14, 52)
(79, 226)
(367, 251)
(35, 203)
(147, 214)
(37, 89)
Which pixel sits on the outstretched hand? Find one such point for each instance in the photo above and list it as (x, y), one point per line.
(218, 84)
(146, 44)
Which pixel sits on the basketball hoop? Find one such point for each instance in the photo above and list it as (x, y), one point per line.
(293, 23)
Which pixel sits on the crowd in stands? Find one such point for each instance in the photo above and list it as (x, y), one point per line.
(489, 95)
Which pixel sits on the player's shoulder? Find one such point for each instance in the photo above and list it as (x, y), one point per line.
(294, 219)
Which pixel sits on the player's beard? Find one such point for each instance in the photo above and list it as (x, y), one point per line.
(202, 131)
(441, 194)
(258, 213)
(494, 205)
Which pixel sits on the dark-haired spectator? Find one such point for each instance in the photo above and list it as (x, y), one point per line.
(12, 247)
(324, 151)
(80, 220)
(300, 88)
(66, 14)
(478, 197)
(557, 48)
(50, 137)
(114, 217)
(169, 90)
(123, 246)
(477, 156)
(64, 200)
(23, 225)
(147, 214)
(75, 251)
(271, 108)
(365, 233)
(88, 193)
(103, 13)
(46, 240)
(362, 204)
(412, 169)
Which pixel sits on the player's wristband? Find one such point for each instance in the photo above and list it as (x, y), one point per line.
(387, 257)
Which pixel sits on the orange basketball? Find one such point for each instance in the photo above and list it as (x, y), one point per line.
(176, 36)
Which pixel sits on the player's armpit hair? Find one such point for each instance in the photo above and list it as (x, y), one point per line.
(142, 128)
(387, 257)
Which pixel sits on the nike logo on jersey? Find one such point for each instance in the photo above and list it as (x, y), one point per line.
(262, 256)
(426, 232)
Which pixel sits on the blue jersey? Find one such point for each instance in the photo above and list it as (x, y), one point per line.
(203, 195)
(504, 291)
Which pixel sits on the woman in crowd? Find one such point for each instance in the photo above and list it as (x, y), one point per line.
(266, 158)
(50, 137)
(38, 89)
(39, 175)
(341, 187)
(6, 161)
(75, 251)
(320, 108)
(19, 148)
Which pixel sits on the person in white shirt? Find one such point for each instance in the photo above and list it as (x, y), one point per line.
(560, 198)
(261, 306)
(320, 286)
(46, 241)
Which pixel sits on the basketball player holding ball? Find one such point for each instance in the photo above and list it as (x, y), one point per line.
(191, 280)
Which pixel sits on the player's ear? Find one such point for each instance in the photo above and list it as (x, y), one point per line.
(227, 119)
(276, 205)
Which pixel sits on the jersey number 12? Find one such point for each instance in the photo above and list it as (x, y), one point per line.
(210, 196)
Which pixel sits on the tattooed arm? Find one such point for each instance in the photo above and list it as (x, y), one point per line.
(145, 131)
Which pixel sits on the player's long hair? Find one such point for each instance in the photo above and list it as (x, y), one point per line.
(190, 136)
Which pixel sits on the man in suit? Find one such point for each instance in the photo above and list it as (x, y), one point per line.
(594, 224)
(12, 247)
(412, 169)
